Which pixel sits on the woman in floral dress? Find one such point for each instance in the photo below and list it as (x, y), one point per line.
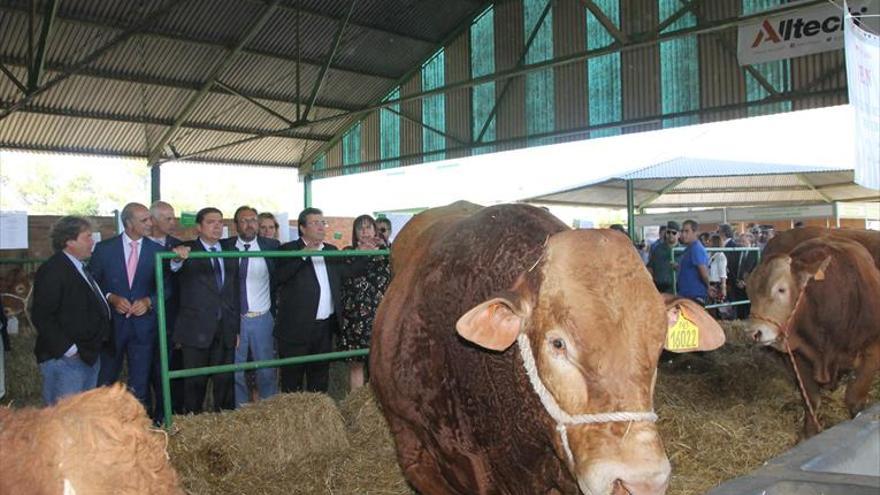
(361, 296)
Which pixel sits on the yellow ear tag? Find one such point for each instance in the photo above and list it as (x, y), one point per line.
(684, 335)
(820, 275)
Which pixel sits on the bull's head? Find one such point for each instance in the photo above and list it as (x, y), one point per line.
(774, 289)
(595, 325)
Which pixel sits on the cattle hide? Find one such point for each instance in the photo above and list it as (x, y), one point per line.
(95, 442)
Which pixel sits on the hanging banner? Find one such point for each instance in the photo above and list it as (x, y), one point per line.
(863, 83)
(814, 29)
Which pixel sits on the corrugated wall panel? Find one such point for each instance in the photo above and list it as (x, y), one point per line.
(640, 67)
(334, 156)
(458, 102)
(410, 132)
(370, 137)
(569, 33)
(721, 77)
(821, 71)
(509, 43)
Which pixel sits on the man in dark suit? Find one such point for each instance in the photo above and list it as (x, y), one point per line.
(309, 299)
(124, 267)
(164, 226)
(70, 314)
(257, 304)
(207, 322)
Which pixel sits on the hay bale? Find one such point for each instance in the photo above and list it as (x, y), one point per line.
(24, 383)
(371, 464)
(272, 446)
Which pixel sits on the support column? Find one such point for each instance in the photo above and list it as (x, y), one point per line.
(307, 190)
(630, 209)
(155, 189)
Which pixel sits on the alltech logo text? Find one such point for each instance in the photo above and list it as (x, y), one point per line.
(797, 28)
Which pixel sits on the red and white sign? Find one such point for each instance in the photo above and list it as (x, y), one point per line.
(798, 32)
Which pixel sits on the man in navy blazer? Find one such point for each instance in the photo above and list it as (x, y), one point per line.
(207, 324)
(124, 267)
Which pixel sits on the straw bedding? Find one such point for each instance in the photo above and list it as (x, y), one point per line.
(722, 415)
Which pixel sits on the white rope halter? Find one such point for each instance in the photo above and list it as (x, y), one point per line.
(562, 418)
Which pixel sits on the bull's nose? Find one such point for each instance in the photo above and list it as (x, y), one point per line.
(756, 335)
(646, 487)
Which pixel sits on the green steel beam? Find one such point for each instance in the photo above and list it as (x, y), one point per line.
(234, 92)
(618, 35)
(21, 87)
(630, 209)
(155, 183)
(672, 185)
(307, 191)
(324, 68)
(519, 64)
(39, 59)
(216, 72)
(809, 185)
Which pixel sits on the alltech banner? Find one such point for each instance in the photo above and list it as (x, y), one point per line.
(814, 29)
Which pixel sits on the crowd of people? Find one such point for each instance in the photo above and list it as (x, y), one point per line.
(95, 305)
(695, 275)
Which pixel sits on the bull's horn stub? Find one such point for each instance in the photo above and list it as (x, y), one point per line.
(684, 335)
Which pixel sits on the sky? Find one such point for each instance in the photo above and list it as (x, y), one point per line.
(812, 137)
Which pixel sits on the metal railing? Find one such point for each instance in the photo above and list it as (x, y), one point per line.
(168, 375)
(678, 250)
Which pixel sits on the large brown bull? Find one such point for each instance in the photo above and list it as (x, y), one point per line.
(513, 355)
(822, 298)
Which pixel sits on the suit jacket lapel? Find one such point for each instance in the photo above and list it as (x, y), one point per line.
(210, 282)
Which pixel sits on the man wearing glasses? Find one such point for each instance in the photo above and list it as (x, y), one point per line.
(256, 298)
(660, 263)
(309, 295)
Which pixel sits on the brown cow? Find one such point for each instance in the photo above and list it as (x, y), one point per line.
(784, 242)
(826, 290)
(15, 291)
(95, 442)
(502, 337)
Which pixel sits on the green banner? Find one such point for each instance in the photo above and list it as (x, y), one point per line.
(187, 219)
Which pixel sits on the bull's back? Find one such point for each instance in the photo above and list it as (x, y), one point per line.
(787, 241)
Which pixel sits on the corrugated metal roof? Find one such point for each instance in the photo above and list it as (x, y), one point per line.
(123, 102)
(705, 167)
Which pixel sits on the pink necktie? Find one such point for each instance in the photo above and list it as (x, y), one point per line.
(132, 262)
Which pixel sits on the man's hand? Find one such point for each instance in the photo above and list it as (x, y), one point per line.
(182, 252)
(140, 307)
(120, 304)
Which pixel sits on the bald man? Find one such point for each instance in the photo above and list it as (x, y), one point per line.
(124, 267)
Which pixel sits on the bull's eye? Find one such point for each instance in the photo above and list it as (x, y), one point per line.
(558, 344)
(781, 290)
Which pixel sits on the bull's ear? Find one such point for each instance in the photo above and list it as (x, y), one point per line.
(690, 328)
(815, 270)
(493, 324)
